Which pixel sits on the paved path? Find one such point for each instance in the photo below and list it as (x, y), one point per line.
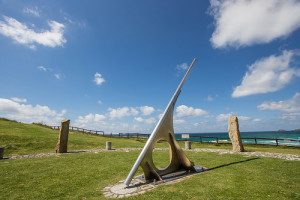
(219, 151)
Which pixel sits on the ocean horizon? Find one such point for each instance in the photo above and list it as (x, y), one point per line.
(283, 136)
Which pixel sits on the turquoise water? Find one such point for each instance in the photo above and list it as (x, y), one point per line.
(269, 135)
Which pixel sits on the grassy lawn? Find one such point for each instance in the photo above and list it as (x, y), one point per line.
(82, 176)
(19, 138)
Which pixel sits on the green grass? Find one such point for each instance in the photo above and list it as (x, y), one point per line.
(19, 138)
(82, 176)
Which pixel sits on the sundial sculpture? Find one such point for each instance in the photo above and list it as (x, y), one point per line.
(164, 131)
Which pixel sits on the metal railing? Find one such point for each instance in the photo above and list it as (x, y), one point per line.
(83, 130)
(201, 139)
(255, 140)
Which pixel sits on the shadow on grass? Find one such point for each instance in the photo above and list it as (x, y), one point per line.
(225, 165)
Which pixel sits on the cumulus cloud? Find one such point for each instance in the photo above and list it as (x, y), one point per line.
(246, 22)
(12, 109)
(184, 111)
(147, 110)
(289, 106)
(225, 116)
(150, 120)
(22, 34)
(122, 112)
(34, 11)
(98, 79)
(89, 119)
(268, 74)
(19, 100)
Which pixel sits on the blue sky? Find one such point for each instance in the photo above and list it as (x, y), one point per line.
(114, 65)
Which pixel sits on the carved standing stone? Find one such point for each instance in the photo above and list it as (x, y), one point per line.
(62, 144)
(234, 134)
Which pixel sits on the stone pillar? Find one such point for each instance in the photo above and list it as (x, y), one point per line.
(188, 145)
(234, 134)
(108, 146)
(62, 144)
(1, 152)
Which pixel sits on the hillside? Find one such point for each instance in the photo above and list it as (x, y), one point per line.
(20, 138)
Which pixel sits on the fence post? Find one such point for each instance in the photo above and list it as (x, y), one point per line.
(108, 145)
(255, 140)
(187, 145)
(276, 142)
(127, 135)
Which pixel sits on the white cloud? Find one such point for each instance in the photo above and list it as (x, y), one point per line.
(179, 121)
(247, 22)
(19, 100)
(34, 11)
(257, 120)
(122, 112)
(28, 113)
(268, 75)
(150, 120)
(244, 118)
(43, 68)
(89, 119)
(22, 34)
(58, 76)
(222, 117)
(182, 66)
(98, 79)
(147, 110)
(183, 111)
(289, 106)
(225, 116)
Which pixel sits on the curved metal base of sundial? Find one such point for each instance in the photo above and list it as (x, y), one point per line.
(178, 160)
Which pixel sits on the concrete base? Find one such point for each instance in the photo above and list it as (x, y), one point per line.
(139, 185)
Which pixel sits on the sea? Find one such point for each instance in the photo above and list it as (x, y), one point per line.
(287, 138)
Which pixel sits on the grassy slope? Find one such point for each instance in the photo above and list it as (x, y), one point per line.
(82, 176)
(19, 138)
